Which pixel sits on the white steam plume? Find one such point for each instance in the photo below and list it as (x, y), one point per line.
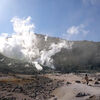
(46, 37)
(23, 45)
(19, 45)
(46, 56)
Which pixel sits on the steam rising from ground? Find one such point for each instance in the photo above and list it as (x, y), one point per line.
(23, 44)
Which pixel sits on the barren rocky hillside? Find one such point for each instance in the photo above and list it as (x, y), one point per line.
(84, 55)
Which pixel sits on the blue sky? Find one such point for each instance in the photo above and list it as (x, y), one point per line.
(69, 19)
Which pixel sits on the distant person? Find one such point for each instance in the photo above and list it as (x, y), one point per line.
(87, 79)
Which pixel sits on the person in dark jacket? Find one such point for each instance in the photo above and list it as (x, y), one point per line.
(87, 79)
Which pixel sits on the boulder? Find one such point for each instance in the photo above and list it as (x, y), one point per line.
(80, 94)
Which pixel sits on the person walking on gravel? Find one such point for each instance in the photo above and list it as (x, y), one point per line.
(87, 79)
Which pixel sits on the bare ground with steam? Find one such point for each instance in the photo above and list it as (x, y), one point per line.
(49, 87)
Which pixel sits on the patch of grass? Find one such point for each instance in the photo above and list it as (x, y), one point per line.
(15, 81)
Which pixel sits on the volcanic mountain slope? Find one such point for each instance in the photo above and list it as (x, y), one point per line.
(8, 65)
(84, 55)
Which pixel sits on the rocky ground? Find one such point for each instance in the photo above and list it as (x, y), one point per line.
(75, 87)
(21, 87)
(49, 87)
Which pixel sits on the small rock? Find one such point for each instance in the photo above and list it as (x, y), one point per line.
(18, 90)
(90, 80)
(80, 94)
(96, 82)
(92, 98)
(68, 83)
(78, 81)
(9, 94)
(55, 98)
(98, 79)
(90, 85)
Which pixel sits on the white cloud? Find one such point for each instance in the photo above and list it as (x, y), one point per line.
(75, 30)
(92, 2)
